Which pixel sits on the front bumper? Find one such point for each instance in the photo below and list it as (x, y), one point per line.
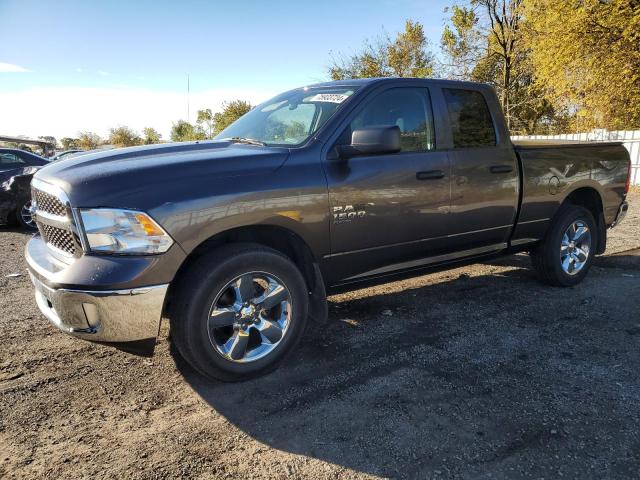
(128, 319)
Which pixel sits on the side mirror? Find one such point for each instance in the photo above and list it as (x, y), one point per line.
(372, 141)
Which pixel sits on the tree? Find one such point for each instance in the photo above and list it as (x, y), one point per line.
(529, 110)
(231, 111)
(483, 42)
(405, 56)
(505, 17)
(408, 55)
(50, 139)
(69, 143)
(48, 150)
(25, 147)
(462, 42)
(206, 117)
(88, 140)
(124, 137)
(150, 136)
(586, 57)
(183, 131)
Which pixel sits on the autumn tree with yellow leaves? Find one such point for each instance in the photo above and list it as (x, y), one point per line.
(556, 65)
(483, 42)
(586, 56)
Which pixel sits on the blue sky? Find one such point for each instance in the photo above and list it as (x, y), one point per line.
(100, 63)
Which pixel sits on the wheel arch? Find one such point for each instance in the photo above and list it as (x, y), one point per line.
(277, 237)
(590, 198)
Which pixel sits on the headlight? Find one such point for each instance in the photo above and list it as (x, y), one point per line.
(123, 231)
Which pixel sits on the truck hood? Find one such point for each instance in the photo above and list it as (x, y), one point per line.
(126, 177)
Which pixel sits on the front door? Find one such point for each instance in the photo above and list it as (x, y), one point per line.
(392, 208)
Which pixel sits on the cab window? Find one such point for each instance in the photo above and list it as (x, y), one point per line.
(470, 118)
(409, 109)
(10, 159)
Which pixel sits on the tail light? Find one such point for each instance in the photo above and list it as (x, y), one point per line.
(628, 184)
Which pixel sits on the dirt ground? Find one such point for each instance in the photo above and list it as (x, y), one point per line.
(478, 372)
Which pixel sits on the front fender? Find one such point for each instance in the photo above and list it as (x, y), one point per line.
(294, 198)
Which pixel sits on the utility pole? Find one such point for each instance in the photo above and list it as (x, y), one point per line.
(188, 112)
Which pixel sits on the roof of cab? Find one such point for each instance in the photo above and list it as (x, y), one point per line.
(359, 82)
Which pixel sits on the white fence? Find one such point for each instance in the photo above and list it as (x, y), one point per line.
(630, 139)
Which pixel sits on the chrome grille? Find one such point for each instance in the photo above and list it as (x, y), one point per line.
(55, 221)
(58, 238)
(49, 203)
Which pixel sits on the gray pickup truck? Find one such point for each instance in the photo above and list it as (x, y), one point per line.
(321, 189)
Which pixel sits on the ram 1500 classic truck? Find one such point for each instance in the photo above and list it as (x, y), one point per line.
(323, 188)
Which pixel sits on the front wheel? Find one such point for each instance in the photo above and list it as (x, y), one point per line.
(564, 256)
(239, 311)
(24, 215)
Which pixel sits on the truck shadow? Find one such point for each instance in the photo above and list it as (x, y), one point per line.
(414, 382)
(626, 260)
(16, 229)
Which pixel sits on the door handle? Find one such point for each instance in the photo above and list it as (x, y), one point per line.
(501, 169)
(430, 175)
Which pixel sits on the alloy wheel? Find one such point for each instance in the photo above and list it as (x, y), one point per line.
(27, 215)
(249, 317)
(575, 247)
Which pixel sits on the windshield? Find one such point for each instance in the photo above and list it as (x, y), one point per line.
(288, 119)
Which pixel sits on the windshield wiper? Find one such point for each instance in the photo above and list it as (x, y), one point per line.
(248, 141)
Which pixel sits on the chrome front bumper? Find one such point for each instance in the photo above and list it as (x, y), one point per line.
(128, 319)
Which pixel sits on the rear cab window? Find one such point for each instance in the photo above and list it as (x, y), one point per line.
(470, 119)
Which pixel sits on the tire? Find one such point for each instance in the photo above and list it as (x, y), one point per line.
(563, 258)
(23, 216)
(261, 290)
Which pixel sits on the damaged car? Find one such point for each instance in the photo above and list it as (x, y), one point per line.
(16, 170)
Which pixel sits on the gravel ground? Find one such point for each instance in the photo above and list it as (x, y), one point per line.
(478, 372)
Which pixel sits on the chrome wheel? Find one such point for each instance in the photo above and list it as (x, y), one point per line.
(575, 246)
(27, 215)
(249, 317)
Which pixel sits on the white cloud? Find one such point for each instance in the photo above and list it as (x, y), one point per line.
(102, 73)
(65, 111)
(11, 68)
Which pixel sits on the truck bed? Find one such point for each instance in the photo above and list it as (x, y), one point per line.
(553, 168)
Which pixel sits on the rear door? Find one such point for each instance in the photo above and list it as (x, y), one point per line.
(484, 172)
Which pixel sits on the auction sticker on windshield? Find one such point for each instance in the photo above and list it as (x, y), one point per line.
(328, 97)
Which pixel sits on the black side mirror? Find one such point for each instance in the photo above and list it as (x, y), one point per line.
(372, 141)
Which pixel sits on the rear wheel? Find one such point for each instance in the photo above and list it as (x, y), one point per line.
(239, 311)
(565, 254)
